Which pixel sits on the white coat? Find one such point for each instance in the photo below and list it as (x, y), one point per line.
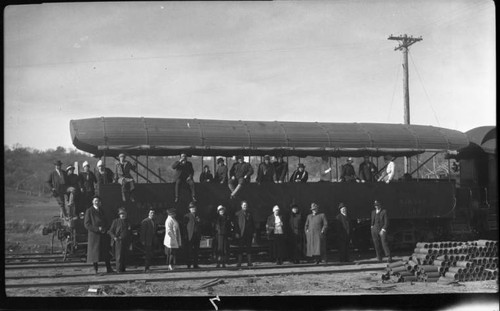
(172, 233)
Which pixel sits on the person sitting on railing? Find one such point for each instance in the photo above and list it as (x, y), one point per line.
(124, 178)
(348, 174)
(240, 174)
(266, 172)
(206, 176)
(388, 175)
(183, 174)
(300, 174)
(281, 169)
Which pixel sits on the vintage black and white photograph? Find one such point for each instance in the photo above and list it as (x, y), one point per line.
(226, 149)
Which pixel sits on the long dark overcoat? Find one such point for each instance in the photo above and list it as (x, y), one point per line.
(98, 242)
(316, 241)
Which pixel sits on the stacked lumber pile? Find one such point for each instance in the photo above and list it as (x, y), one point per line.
(447, 262)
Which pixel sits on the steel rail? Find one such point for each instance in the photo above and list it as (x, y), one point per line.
(231, 273)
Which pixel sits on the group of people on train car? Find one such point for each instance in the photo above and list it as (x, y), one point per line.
(290, 236)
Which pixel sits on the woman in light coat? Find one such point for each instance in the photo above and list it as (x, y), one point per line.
(172, 239)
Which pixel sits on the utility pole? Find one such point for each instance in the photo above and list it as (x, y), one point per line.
(404, 42)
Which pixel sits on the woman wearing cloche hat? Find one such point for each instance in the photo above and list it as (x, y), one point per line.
(275, 228)
(223, 228)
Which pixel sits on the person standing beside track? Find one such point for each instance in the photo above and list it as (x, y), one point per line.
(57, 184)
(379, 224)
(148, 235)
(192, 223)
(121, 233)
(172, 239)
(315, 228)
(223, 228)
(184, 172)
(98, 240)
(343, 233)
(245, 232)
(123, 176)
(276, 232)
(240, 174)
(296, 234)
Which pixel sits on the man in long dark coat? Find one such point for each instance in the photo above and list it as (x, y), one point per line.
(148, 234)
(184, 172)
(57, 184)
(192, 223)
(296, 234)
(245, 231)
(98, 240)
(121, 234)
(315, 228)
(343, 233)
(379, 225)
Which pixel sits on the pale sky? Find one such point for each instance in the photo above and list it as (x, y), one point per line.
(325, 61)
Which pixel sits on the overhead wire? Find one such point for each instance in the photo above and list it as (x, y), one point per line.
(425, 91)
(394, 91)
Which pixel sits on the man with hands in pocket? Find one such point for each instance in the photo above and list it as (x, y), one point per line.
(379, 224)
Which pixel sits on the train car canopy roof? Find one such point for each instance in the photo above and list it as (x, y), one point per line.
(163, 137)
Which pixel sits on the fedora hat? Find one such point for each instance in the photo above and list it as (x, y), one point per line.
(121, 210)
(171, 211)
(342, 205)
(57, 162)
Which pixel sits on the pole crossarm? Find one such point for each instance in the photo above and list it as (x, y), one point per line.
(404, 41)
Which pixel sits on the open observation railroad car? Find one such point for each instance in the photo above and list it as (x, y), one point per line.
(419, 209)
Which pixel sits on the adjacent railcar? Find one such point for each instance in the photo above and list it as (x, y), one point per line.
(418, 209)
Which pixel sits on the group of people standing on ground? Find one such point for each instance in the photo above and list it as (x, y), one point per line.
(289, 235)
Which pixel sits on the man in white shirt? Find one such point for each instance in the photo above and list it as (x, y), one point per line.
(388, 175)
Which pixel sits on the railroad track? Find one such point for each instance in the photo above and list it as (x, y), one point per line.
(161, 274)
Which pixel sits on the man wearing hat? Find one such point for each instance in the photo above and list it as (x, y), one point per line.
(120, 233)
(281, 169)
(367, 170)
(148, 236)
(103, 176)
(87, 182)
(276, 232)
(388, 175)
(57, 184)
(239, 174)
(348, 174)
(172, 239)
(300, 174)
(223, 228)
(379, 224)
(72, 190)
(343, 233)
(98, 241)
(192, 223)
(296, 234)
(123, 176)
(221, 172)
(245, 232)
(315, 228)
(266, 172)
(184, 172)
